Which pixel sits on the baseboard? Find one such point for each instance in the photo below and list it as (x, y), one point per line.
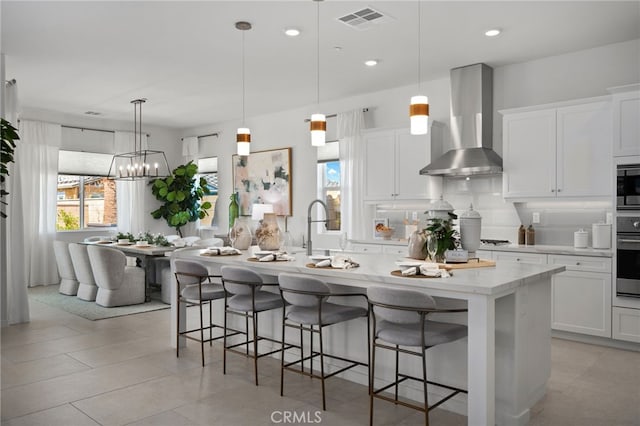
(595, 340)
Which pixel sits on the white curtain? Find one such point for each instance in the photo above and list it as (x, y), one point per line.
(190, 149)
(130, 195)
(349, 132)
(32, 214)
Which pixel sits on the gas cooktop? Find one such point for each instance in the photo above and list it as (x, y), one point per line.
(495, 242)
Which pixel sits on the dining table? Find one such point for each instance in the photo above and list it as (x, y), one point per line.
(145, 256)
(504, 362)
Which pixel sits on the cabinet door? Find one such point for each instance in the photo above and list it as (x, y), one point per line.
(366, 248)
(581, 302)
(379, 168)
(539, 258)
(626, 324)
(529, 154)
(413, 152)
(400, 250)
(626, 125)
(584, 144)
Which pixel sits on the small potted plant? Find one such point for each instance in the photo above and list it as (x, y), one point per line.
(446, 237)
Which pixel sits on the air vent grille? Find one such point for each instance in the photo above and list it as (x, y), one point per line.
(364, 18)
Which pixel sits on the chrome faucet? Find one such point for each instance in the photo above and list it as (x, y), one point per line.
(309, 222)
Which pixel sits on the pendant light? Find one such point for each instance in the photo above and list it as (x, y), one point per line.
(140, 163)
(419, 108)
(243, 135)
(318, 121)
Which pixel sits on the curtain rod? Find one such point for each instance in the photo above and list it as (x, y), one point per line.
(306, 120)
(205, 136)
(95, 130)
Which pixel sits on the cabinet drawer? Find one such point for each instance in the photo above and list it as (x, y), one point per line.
(366, 248)
(626, 324)
(520, 257)
(581, 263)
(402, 250)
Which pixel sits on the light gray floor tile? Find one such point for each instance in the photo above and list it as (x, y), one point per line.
(41, 369)
(63, 415)
(167, 418)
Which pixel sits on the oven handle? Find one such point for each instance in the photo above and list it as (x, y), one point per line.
(626, 240)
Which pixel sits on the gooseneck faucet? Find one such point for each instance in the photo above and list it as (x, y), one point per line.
(310, 221)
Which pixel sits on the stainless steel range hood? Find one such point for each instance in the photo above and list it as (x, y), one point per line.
(470, 151)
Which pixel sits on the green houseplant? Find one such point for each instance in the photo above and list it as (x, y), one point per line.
(9, 136)
(445, 234)
(181, 194)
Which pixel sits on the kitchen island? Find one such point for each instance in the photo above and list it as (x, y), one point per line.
(509, 333)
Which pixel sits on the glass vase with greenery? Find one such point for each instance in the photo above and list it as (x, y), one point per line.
(447, 237)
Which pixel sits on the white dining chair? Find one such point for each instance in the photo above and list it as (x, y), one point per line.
(87, 289)
(118, 284)
(68, 280)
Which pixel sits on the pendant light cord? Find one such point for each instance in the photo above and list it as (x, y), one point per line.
(318, 51)
(243, 91)
(419, 43)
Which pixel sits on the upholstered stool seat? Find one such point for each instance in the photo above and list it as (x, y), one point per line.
(399, 323)
(310, 311)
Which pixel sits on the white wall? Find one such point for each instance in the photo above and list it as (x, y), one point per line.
(578, 74)
(167, 140)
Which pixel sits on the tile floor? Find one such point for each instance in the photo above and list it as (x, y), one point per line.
(60, 369)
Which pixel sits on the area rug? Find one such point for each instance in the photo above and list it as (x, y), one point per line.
(49, 295)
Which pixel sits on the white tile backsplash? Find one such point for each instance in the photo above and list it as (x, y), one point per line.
(501, 219)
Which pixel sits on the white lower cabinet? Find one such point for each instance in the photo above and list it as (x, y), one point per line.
(366, 248)
(626, 324)
(501, 256)
(392, 249)
(580, 297)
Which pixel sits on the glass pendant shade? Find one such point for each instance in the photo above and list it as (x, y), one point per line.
(318, 129)
(419, 115)
(243, 139)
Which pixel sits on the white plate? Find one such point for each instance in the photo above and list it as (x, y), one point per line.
(319, 257)
(262, 253)
(408, 264)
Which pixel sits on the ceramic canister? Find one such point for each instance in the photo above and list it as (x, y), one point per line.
(470, 223)
(601, 235)
(581, 239)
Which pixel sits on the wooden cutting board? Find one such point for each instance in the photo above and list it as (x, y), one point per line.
(470, 264)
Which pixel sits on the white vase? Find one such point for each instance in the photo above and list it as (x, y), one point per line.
(268, 234)
(242, 233)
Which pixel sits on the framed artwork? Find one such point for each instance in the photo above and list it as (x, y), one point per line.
(263, 177)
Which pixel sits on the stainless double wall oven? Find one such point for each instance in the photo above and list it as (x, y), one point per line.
(628, 256)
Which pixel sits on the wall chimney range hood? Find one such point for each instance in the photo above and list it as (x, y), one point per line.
(470, 151)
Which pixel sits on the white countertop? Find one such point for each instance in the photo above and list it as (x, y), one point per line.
(542, 249)
(549, 249)
(376, 269)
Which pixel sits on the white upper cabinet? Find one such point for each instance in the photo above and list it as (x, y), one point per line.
(393, 159)
(626, 120)
(558, 152)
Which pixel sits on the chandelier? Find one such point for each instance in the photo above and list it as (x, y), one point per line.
(140, 163)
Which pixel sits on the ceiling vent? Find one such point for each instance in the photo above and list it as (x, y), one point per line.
(364, 19)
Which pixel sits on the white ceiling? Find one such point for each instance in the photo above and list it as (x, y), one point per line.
(185, 57)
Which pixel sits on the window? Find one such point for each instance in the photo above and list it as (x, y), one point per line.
(208, 169)
(96, 195)
(86, 199)
(330, 182)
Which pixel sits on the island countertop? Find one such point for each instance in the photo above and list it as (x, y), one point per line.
(376, 269)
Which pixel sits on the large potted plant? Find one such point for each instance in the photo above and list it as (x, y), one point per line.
(181, 194)
(9, 135)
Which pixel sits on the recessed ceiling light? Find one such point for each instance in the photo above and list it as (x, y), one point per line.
(493, 32)
(337, 48)
(92, 113)
(371, 62)
(292, 32)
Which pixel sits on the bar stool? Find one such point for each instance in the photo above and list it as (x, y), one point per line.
(244, 298)
(399, 319)
(309, 311)
(192, 276)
